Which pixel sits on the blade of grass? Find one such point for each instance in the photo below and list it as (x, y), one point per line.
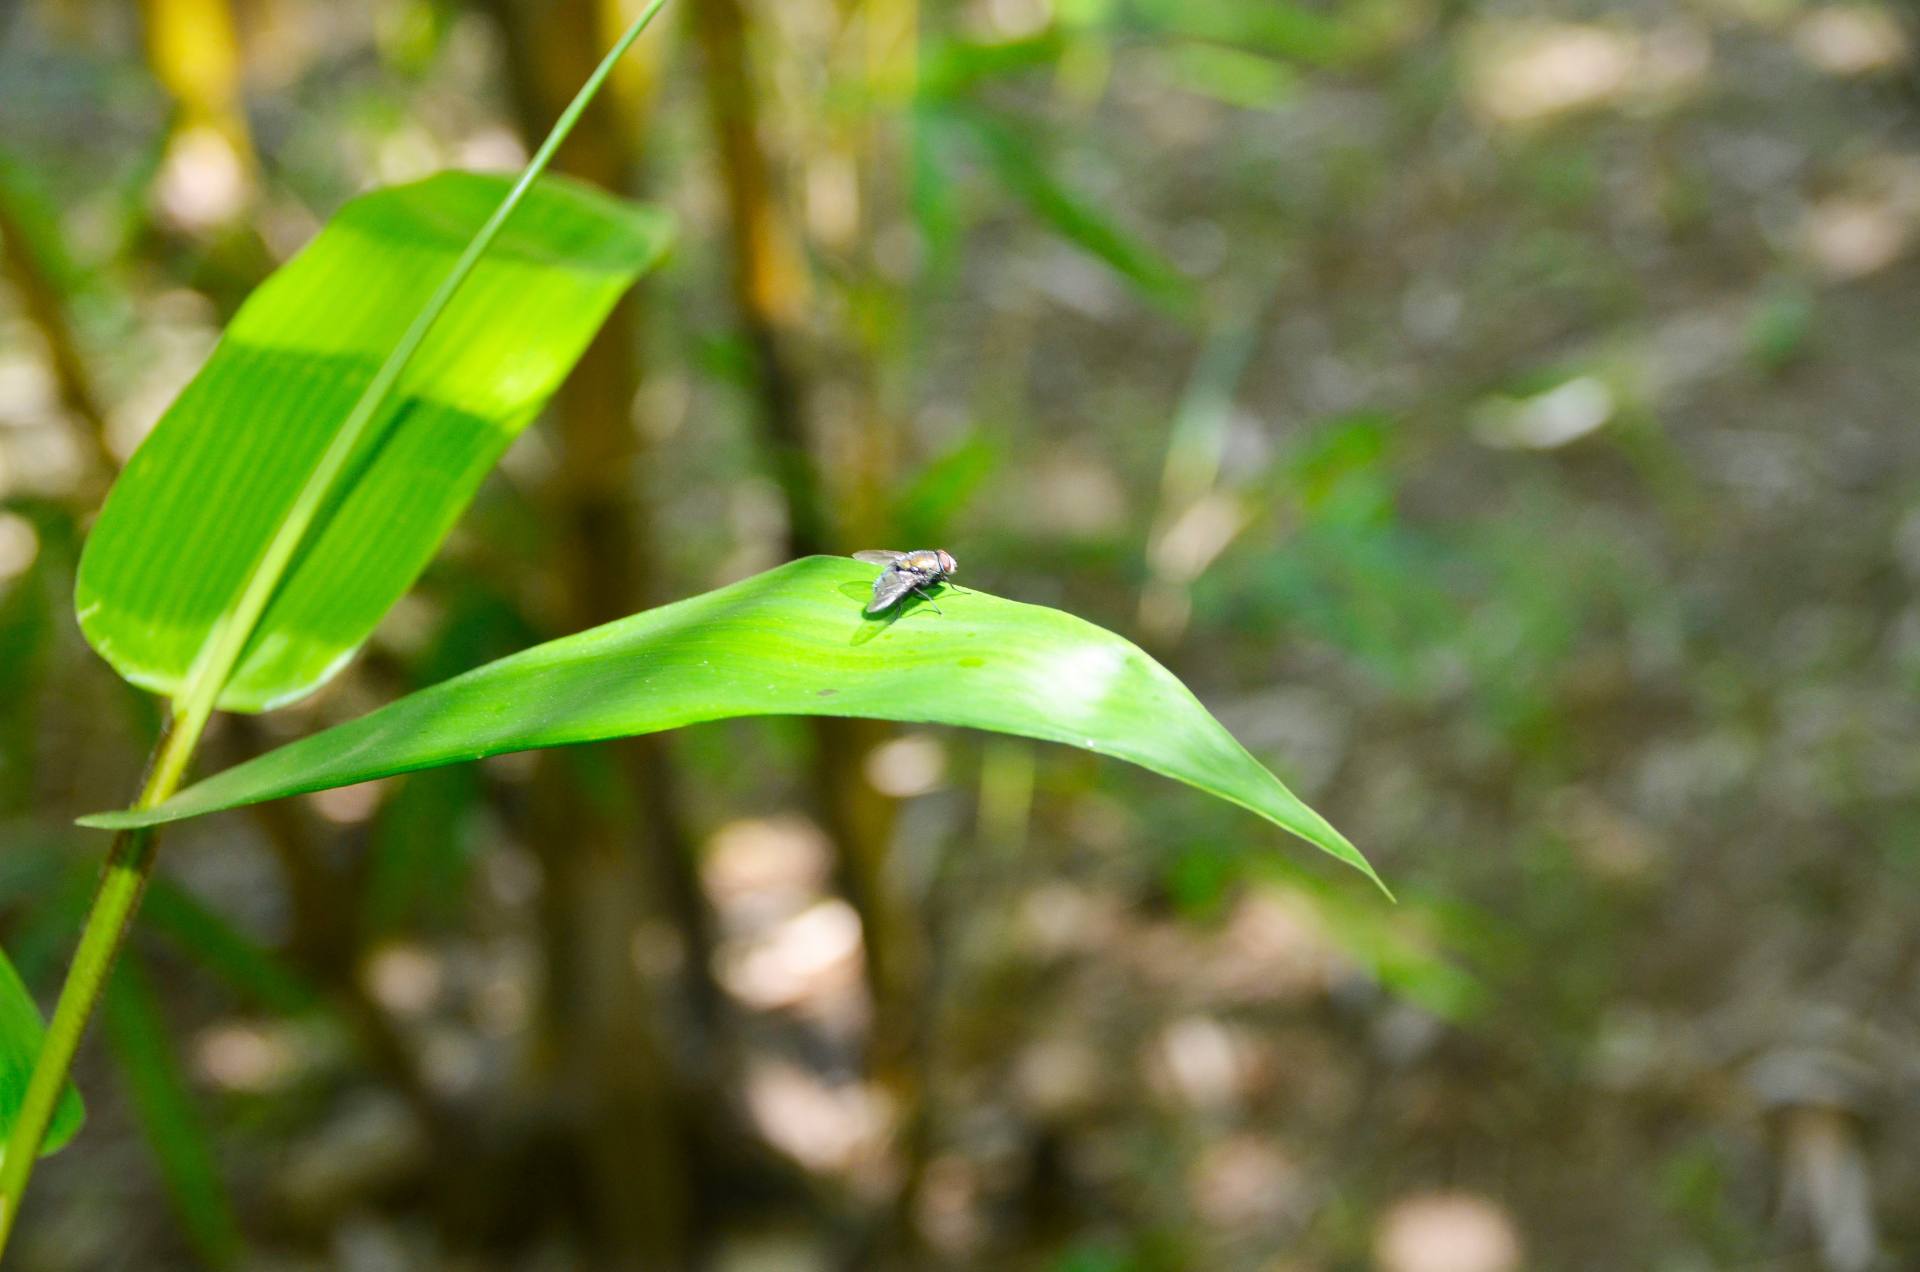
(209, 939)
(163, 1105)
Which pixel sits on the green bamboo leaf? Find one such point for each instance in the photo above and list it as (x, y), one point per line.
(192, 514)
(21, 1032)
(792, 641)
(1319, 36)
(1082, 222)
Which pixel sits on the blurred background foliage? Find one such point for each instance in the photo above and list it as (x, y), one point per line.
(1491, 410)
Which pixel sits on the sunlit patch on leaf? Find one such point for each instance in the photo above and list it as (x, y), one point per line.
(200, 499)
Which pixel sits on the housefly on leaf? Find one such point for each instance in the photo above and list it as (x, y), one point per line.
(913, 571)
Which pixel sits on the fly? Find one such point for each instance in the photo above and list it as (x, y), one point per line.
(913, 571)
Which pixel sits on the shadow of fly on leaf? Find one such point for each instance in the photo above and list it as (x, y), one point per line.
(908, 582)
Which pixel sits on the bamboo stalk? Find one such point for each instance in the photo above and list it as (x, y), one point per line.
(768, 286)
(767, 293)
(195, 54)
(610, 871)
(38, 282)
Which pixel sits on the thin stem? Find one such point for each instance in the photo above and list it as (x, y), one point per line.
(130, 860)
(122, 880)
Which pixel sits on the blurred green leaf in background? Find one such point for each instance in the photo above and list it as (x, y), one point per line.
(21, 1031)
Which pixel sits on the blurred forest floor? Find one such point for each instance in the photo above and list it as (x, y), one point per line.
(1499, 414)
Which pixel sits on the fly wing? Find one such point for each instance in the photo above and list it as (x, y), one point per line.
(878, 556)
(888, 588)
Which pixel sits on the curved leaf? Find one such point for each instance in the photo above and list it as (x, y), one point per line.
(21, 1033)
(792, 641)
(199, 501)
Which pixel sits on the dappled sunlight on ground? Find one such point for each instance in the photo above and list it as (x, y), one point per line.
(1523, 73)
(1447, 1232)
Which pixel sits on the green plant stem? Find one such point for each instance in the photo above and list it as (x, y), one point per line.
(130, 860)
(122, 880)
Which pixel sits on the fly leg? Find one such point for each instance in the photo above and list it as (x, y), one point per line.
(929, 600)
